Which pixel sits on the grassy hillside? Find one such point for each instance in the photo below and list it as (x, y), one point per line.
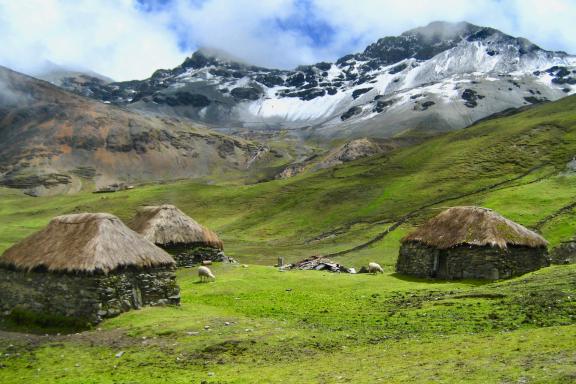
(516, 165)
(258, 325)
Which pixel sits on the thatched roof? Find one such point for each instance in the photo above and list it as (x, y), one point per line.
(473, 226)
(166, 224)
(86, 242)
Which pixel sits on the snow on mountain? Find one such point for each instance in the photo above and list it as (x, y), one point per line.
(440, 77)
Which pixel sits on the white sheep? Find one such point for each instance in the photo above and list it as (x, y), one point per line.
(374, 268)
(205, 274)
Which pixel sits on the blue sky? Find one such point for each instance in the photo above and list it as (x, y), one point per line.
(127, 39)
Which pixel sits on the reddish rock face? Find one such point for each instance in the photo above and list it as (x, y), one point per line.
(51, 139)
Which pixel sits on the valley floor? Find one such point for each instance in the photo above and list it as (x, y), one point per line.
(259, 325)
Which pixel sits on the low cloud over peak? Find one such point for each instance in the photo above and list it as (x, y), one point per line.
(129, 39)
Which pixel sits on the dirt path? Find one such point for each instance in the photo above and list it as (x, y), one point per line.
(115, 338)
(552, 216)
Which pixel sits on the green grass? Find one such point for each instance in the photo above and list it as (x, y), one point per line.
(310, 327)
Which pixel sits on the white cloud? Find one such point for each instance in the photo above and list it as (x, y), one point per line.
(118, 39)
(547, 23)
(249, 30)
(110, 37)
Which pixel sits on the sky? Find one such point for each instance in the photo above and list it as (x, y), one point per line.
(130, 39)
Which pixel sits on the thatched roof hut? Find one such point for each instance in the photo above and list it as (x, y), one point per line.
(474, 226)
(85, 267)
(471, 242)
(87, 242)
(165, 224)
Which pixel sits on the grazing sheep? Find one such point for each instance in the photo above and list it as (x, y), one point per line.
(205, 274)
(375, 268)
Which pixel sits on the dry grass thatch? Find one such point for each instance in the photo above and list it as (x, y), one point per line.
(166, 224)
(86, 242)
(473, 226)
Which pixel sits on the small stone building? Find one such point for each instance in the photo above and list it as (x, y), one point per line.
(171, 229)
(564, 253)
(85, 267)
(471, 243)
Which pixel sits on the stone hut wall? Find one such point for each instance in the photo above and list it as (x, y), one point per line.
(470, 262)
(188, 255)
(416, 259)
(565, 253)
(49, 294)
(132, 289)
(83, 297)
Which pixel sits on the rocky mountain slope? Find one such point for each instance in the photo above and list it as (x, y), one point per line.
(349, 151)
(436, 78)
(52, 141)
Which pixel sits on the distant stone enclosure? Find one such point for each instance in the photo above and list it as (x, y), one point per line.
(469, 261)
(86, 298)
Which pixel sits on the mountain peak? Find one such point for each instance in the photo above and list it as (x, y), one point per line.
(410, 81)
(420, 43)
(423, 43)
(218, 54)
(206, 56)
(443, 30)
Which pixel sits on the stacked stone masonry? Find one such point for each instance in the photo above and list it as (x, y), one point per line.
(469, 262)
(565, 253)
(86, 297)
(187, 255)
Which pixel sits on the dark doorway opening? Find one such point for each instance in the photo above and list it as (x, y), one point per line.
(441, 266)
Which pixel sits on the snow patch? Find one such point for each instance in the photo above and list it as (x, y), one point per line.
(295, 109)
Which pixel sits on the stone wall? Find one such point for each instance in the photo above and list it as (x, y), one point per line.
(48, 294)
(470, 262)
(565, 253)
(493, 262)
(85, 298)
(120, 292)
(188, 255)
(416, 259)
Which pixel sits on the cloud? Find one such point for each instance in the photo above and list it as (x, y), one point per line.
(272, 33)
(545, 23)
(127, 39)
(111, 37)
(10, 96)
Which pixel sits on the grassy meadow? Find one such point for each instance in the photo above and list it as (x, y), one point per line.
(259, 325)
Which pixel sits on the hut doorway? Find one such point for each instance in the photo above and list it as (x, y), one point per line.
(440, 266)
